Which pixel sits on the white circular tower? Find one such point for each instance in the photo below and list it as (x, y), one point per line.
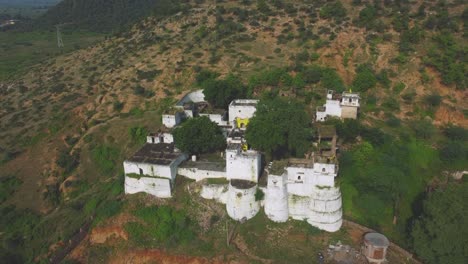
(276, 199)
(241, 204)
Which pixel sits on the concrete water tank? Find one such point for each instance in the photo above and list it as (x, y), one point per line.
(375, 247)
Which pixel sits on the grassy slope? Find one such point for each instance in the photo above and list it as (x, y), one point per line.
(73, 94)
(21, 50)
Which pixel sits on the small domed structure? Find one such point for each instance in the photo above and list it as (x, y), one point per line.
(375, 247)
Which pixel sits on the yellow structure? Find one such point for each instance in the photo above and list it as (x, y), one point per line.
(242, 122)
(245, 147)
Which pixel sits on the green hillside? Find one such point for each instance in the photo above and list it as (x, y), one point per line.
(68, 122)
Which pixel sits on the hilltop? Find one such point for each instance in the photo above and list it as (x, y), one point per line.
(64, 124)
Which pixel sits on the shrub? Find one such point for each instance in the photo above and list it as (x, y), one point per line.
(105, 157)
(8, 186)
(433, 100)
(138, 134)
(259, 195)
(118, 106)
(68, 162)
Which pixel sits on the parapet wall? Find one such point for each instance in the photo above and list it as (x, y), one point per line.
(218, 192)
(158, 187)
(200, 174)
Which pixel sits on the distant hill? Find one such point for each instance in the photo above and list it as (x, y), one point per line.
(31, 3)
(105, 15)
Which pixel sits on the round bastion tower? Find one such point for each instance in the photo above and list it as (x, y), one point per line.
(241, 204)
(276, 198)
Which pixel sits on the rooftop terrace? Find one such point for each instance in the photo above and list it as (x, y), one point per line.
(160, 154)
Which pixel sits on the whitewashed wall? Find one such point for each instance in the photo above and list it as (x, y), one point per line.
(166, 138)
(241, 203)
(155, 186)
(218, 192)
(171, 121)
(243, 165)
(198, 174)
(148, 169)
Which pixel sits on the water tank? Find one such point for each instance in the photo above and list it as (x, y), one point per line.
(375, 247)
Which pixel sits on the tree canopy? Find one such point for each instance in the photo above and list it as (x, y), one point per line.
(199, 135)
(221, 92)
(280, 128)
(440, 235)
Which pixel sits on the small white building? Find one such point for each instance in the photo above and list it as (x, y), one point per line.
(160, 137)
(345, 105)
(240, 111)
(152, 169)
(173, 117)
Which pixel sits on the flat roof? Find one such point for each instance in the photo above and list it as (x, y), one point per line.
(244, 102)
(376, 239)
(159, 154)
(204, 165)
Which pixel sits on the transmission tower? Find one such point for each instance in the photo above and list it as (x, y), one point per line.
(59, 37)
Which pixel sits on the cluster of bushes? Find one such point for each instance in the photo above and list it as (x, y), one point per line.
(448, 58)
(162, 225)
(105, 157)
(138, 134)
(147, 75)
(8, 185)
(142, 91)
(68, 161)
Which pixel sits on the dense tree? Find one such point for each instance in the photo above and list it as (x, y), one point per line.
(365, 78)
(199, 135)
(440, 234)
(280, 128)
(221, 92)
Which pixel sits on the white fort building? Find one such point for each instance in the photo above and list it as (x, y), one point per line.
(302, 189)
